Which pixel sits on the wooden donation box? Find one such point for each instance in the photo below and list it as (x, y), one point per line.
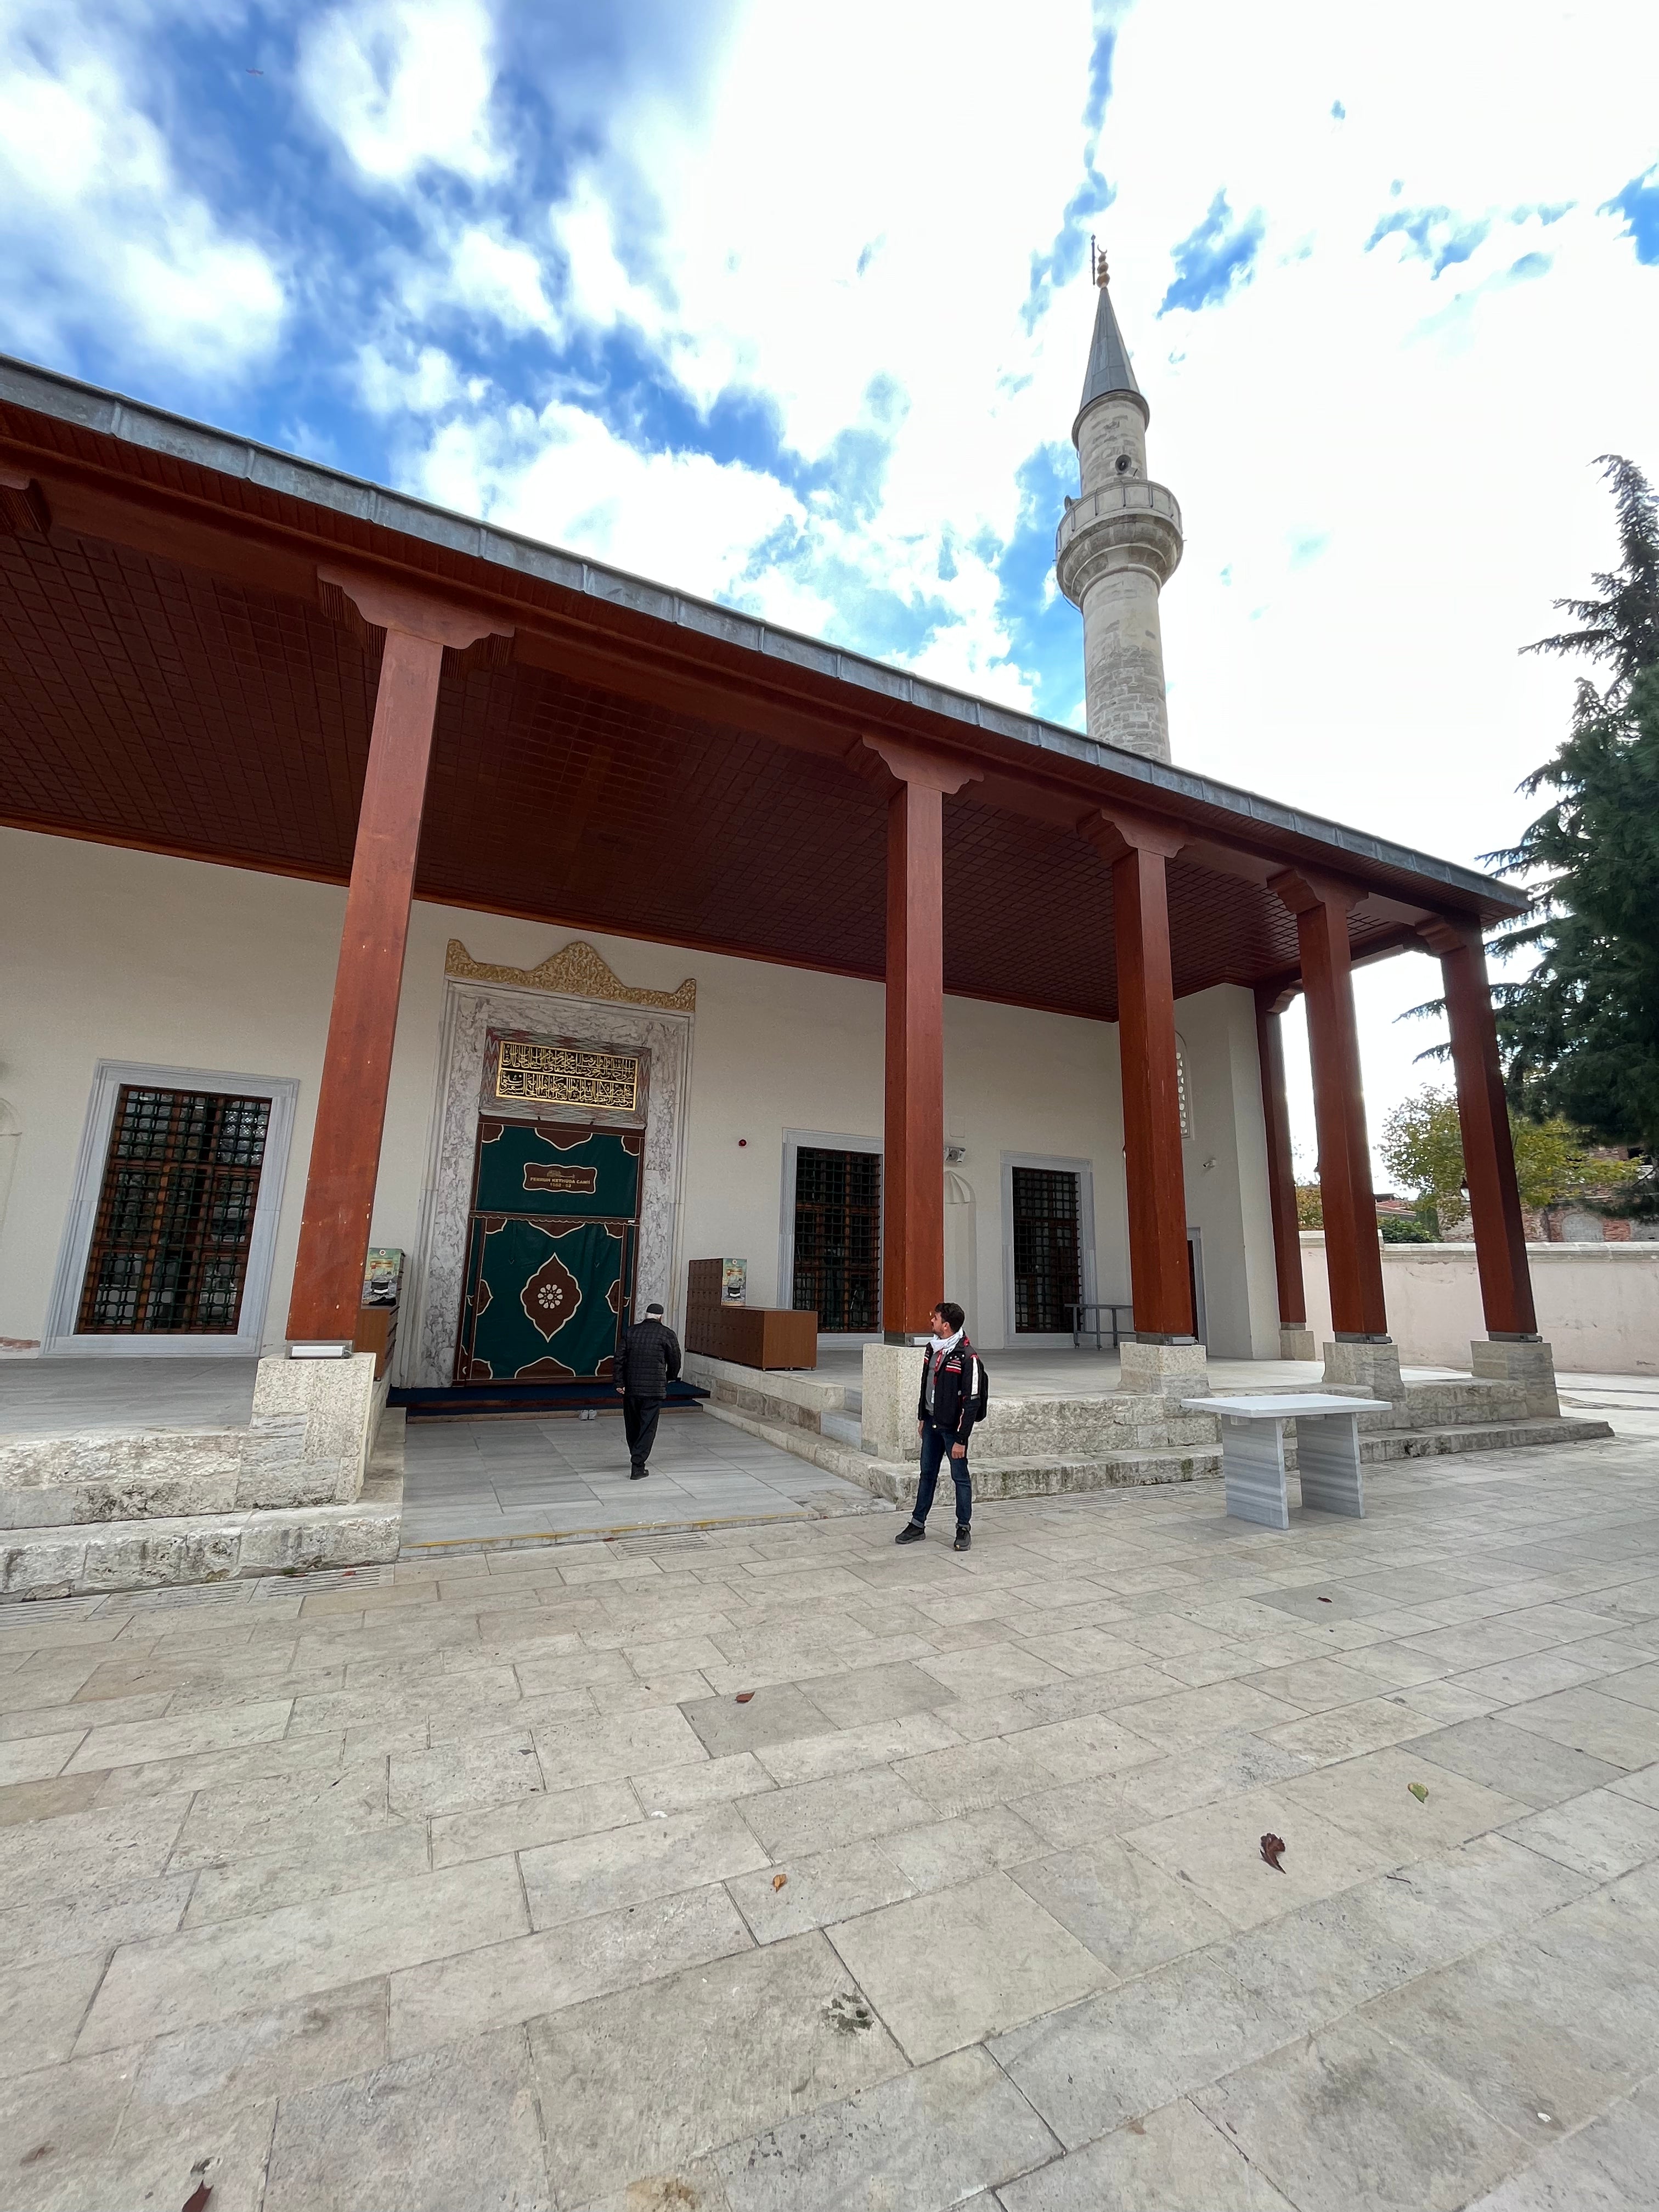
(749, 1336)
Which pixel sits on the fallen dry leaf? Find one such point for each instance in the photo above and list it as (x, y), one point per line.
(1419, 1790)
(197, 2200)
(779, 1880)
(744, 1696)
(1324, 1601)
(1272, 1847)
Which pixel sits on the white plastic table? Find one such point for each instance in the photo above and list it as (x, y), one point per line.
(1253, 1453)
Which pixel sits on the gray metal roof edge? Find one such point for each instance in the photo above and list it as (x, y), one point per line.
(47, 392)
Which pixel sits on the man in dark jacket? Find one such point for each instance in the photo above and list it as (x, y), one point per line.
(649, 1362)
(945, 1412)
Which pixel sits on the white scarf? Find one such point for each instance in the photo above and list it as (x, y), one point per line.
(941, 1344)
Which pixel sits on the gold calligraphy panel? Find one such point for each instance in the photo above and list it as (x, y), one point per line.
(566, 1075)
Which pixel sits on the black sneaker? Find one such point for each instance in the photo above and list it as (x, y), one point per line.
(964, 1541)
(638, 1474)
(911, 1532)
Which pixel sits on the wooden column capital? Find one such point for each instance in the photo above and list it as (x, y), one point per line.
(356, 600)
(913, 764)
(1116, 831)
(1443, 936)
(1302, 890)
(23, 509)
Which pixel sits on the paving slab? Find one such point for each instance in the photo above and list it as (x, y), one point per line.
(1177, 2160)
(459, 2127)
(927, 2140)
(1131, 1914)
(957, 1965)
(1346, 2121)
(532, 1976)
(646, 2081)
(204, 1974)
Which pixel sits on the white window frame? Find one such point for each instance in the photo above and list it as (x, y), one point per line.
(827, 1141)
(1201, 1314)
(1085, 1172)
(69, 1281)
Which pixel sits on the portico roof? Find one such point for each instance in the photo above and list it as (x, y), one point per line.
(622, 758)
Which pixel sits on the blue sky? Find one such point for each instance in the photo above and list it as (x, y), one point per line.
(789, 305)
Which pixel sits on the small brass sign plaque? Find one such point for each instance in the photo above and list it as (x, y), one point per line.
(536, 1177)
(565, 1075)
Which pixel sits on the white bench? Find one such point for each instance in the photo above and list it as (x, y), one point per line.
(1253, 1452)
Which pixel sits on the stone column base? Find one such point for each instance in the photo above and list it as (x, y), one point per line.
(1377, 1366)
(1296, 1341)
(1532, 1365)
(892, 1379)
(312, 1429)
(1170, 1371)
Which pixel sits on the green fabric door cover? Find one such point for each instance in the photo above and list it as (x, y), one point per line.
(551, 1254)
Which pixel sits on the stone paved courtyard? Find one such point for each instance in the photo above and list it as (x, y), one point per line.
(475, 1884)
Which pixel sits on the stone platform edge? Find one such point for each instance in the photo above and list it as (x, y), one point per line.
(84, 1558)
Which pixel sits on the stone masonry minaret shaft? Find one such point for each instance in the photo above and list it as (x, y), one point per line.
(1117, 546)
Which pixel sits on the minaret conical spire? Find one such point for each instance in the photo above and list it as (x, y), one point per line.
(1118, 546)
(1109, 371)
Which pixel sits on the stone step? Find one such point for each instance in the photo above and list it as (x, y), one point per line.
(72, 1558)
(1380, 1445)
(843, 1428)
(1437, 1405)
(1034, 1475)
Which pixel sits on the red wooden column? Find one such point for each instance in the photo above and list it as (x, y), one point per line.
(1270, 1004)
(1160, 1281)
(345, 1144)
(1483, 1114)
(912, 1163)
(1353, 1253)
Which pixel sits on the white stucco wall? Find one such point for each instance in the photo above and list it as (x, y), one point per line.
(1598, 1304)
(1226, 1164)
(116, 955)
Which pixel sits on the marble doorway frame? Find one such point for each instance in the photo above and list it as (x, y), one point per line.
(470, 1011)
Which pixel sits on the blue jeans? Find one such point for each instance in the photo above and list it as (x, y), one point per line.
(935, 1447)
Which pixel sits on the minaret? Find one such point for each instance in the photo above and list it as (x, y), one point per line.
(1117, 546)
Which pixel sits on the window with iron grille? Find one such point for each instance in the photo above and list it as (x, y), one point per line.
(838, 1239)
(1047, 1248)
(175, 1214)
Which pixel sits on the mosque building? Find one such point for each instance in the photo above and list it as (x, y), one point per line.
(377, 882)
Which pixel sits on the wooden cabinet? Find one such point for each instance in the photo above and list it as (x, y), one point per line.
(749, 1336)
(377, 1331)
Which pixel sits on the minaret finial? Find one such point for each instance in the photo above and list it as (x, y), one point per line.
(1097, 264)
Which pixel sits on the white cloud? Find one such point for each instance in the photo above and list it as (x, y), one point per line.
(562, 477)
(100, 238)
(405, 84)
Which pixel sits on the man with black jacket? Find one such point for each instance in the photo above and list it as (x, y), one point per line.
(945, 1412)
(648, 1363)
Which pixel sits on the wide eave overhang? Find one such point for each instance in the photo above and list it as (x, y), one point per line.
(635, 760)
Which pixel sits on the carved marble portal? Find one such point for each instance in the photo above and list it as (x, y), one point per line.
(641, 1023)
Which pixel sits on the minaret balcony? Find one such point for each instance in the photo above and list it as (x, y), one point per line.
(1131, 524)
